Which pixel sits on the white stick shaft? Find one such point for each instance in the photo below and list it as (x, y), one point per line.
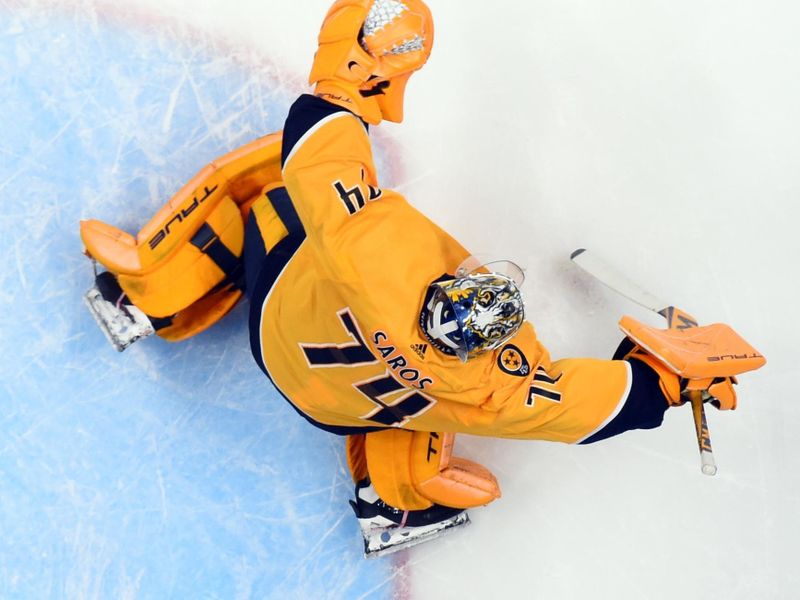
(709, 466)
(609, 276)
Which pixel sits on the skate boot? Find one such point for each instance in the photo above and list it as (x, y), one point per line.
(121, 321)
(387, 529)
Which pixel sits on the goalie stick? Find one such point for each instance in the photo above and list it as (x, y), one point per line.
(676, 319)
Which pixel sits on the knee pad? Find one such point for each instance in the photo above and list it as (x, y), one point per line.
(413, 470)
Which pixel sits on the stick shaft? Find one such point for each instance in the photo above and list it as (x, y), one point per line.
(676, 319)
(708, 465)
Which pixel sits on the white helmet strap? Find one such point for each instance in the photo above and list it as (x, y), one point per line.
(437, 329)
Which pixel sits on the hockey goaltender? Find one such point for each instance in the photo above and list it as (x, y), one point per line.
(397, 360)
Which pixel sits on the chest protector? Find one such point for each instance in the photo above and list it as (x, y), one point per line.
(184, 268)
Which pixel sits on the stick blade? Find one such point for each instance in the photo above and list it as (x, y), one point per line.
(614, 279)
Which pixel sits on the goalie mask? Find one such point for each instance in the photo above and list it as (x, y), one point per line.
(472, 314)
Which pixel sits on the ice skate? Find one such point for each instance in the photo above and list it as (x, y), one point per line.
(121, 321)
(387, 529)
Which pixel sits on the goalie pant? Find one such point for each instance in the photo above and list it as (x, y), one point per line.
(337, 271)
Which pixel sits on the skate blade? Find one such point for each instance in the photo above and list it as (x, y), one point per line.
(382, 541)
(118, 327)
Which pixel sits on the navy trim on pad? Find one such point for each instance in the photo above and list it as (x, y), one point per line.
(282, 203)
(255, 252)
(207, 241)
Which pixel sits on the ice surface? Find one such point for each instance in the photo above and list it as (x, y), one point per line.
(169, 471)
(664, 136)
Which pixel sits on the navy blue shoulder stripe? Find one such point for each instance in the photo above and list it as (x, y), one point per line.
(306, 112)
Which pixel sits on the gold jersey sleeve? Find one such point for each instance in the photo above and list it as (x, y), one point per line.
(338, 329)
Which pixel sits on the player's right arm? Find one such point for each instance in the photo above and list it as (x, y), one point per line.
(329, 173)
(365, 57)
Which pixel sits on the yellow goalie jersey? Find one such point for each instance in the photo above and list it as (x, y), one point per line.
(338, 280)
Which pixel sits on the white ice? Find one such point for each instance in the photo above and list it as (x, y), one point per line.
(665, 136)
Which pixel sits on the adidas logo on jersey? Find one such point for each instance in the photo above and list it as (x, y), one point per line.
(419, 349)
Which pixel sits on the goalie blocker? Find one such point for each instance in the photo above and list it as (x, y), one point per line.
(692, 353)
(705, 359)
